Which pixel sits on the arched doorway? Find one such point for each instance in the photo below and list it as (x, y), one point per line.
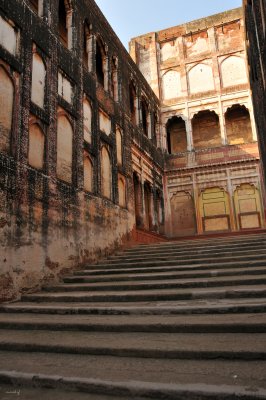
(176, 135)
(183, 214)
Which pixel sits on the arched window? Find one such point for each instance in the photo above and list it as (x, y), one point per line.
(118, 135)
(106, 173)
(65, 23)
(206, 130)
(86, 36)
(114, 78)
(64, 149)
(38, 80)
(100, 63)
(87, 115)
(176, 135)
(36, 146)
(137, 199)
(238, 125)
(122, 192)
(8, 36)
(145, 117)
(6, 109)
(88, 173)
(133, 103)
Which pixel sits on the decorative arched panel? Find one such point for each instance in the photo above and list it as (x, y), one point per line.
(121, 192)
(38, 80)
(183, 214)
(200, 79)
(248, 207)
(214, 209)
(64, 149)
(88, 173)
(106, 173)
(119, 153)
(171, 85)
(6, 109)
(233, 71)
(36, 147)
(87, 117)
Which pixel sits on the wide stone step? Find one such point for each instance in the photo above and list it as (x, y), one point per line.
(243, 323)
(32, 386)
(150, 295)
(144, 345)
(133, 377)
(261, 257)
(231, 242)
(93, 270)
(162, 284)
(164, 275)
(191, 253)
(190, 307)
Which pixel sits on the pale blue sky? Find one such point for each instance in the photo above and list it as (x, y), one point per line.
(130, 18)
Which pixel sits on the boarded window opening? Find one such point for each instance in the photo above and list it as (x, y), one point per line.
(206, 130)
(6, 110)
(176, 135)
(36, 147)
(62, 23)
(238, 125)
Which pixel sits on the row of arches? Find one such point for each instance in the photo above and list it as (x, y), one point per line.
(215, 210)
(64, 145)
(149, 209)
(141, 113)
(200, 77)
(206, 129)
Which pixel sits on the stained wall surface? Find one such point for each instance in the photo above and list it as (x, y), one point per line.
(63, 200)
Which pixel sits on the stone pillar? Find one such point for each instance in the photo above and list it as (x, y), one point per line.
(222, 123)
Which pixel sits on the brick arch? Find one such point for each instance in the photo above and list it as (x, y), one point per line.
(200, 78)
(206, 129)
(233, 71)
(65, 135)
(36, 148)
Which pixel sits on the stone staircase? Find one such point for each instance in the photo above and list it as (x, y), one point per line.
(177, 320)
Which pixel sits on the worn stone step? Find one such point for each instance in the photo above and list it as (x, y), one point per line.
(259, 259)
(230, 323)
(247, 346)
(162, 284)
(93, 270)
(230, 242)
(151, 295)
(173, 261)
(209, 306)
(28, 385)
(163, 275)
(205, 252)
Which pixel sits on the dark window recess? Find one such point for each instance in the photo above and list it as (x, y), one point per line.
(132, 97)
(34, 4)
(62, 23)
(144, 112)
(99, 64)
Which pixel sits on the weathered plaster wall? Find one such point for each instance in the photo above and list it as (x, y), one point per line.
(66, 187)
